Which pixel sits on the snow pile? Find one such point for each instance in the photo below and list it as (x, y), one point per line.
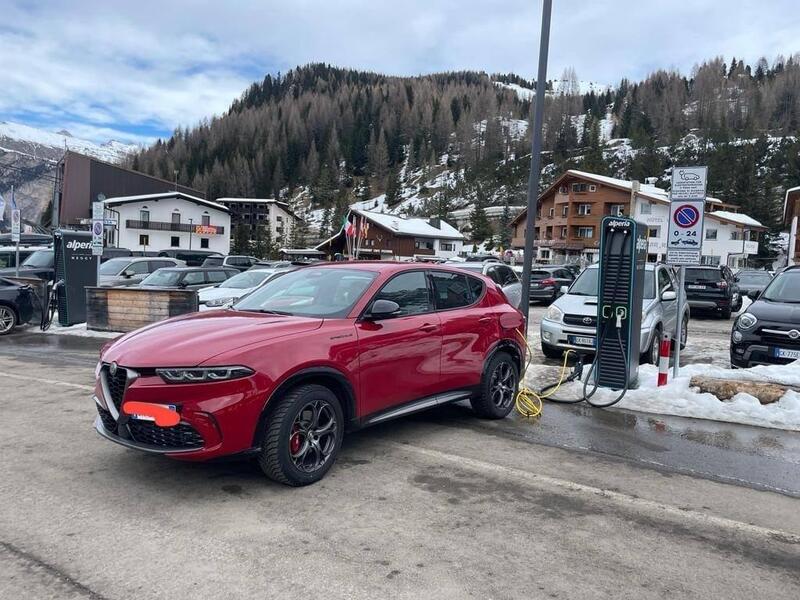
(679, 399)
(77, 330)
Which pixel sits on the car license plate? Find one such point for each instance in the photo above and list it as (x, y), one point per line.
(784, 353)
(577, 340)
(695, 287)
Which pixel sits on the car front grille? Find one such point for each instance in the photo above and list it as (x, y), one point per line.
(181, 436)
(579, 320)
(776, 339)
(116, 384)
(109, 423)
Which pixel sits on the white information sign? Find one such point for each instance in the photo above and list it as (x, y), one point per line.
(98, 227)
(16, 220)
(688, 183)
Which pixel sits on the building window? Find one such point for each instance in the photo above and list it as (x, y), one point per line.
(562, 189)
(584, 209)
(175, 241)
(144, 240)
(563, 233)
(735, 236)
(565, 210)
(206, 220)
(585, 232)
(447, 247)
(617, 210)
(144, 216)
(204, 242)
(646, 208)
(551, 212)
(711, 234)
(176, 218)
(423, 244)
(545, 254)
(582, 188)
(712, 261)
(653, 232)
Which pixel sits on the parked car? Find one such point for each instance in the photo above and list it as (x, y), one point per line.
(38, 264)
(237, 286)
(547, 283)
(109, 253)
(768, 332)
(752, 281)
(191, 278)
(192, 258)
(714, 289)
(310, 355)
(503, 275)
(8, 254)
(123, 272)
(17, 302)
(272, 264)
(571, 321)
(241, 263)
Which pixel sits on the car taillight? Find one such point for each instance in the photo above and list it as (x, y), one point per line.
(722, 284)
(548, 281)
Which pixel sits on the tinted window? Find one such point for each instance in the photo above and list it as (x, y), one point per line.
(539, 275)
(450, 290)
(410, 291)
(160, 264)
(755, 277)
(194, 278)
(494, 274)
(507, 275)
(700, 275)
(784, 288)
(217, 276)
(476, 288)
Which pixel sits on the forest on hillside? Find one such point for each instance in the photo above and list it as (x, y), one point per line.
(323, 137)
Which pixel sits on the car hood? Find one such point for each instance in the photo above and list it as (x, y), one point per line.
(572, 304)
(213, 293)
(190, 340)
(782, 312)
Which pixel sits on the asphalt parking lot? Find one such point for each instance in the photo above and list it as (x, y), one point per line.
(440, 505)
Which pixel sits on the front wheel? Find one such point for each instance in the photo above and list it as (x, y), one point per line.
(652, 354)
(8, 319)
(498, 388)
(303, 436)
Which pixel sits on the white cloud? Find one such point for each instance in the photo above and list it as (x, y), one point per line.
(150, 66)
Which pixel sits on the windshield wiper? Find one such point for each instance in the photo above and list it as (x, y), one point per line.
(269, 312)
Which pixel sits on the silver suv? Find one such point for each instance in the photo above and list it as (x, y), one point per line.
(571, 321)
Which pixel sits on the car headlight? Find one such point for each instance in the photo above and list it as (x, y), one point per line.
(746, 321)
(220, 301)
(554, 314)
(203, 375)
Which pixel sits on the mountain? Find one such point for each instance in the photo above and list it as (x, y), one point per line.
(323, 137)
(28, 157)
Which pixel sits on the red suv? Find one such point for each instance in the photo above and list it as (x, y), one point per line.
(311, 354)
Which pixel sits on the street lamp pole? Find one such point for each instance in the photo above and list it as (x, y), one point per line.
(536, 158)
(190, 233)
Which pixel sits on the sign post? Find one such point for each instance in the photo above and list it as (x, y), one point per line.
(98, 229)
(685, 239)
(16, 222)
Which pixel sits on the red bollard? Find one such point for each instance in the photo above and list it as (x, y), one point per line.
(663, 359)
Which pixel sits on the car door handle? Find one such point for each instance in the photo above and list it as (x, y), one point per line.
(485, 319)
(428, 327)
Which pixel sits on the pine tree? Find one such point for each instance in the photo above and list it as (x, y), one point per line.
(393, 188)
(241, 239)
(505, 227)
(593, 159)
(479, 224)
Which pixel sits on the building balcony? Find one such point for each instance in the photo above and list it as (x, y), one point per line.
(177, 227)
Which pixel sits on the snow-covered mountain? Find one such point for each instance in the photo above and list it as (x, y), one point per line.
(28, 158)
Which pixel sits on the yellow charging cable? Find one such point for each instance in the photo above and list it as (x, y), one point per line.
(528, 402)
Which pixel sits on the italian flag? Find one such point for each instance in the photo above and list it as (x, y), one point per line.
(349, 230)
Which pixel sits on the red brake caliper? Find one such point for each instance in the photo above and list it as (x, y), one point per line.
(294, 441)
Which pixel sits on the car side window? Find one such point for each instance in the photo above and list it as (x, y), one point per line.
(451, 290)
(410, 291)
(664, 281)
(507, 275)
(494, 274)
(138, 268)
(216, 276)
(194, 278)
(476, 288)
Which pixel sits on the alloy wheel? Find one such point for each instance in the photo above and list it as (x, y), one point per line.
(684, 332)
(7, 319)
(313, 436)
(502, 385)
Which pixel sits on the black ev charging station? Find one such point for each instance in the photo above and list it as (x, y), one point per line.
(75, 269)
(623, 254)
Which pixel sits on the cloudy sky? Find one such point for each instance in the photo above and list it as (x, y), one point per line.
(134, 71)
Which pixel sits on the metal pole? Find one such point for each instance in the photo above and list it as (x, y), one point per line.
(679, 321)
(190, 233)
(14, 205)
(536, 159)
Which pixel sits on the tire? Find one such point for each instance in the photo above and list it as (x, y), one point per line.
(684, 332)
(8, 319)
(287, 429)
(738, 306)
(652, 354)
(498, 388)
(726, 313)
(551, 351)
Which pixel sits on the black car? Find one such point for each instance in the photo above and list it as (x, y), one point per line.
(768, 332)
(16, 304)
(753, 281)
(191, 278)
(39, 264)
(713, 289)
(192, 258)
(546, 283)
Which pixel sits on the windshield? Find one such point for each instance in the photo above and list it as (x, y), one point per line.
(703, 275)
(114, 266)
(755, 278)
(784, 288)
(326, 292)
(248, 279)
(586, 284)
(162, 277)
(40, 258)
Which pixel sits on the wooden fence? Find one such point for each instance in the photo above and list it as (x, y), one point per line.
(125, 309)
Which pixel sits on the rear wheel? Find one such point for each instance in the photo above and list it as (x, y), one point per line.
(303, 436)
(8, 319)
(684, 332)
(498, 388)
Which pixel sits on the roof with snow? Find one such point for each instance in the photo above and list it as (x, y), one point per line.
(411, 226)
(164, 196)
(737, 218)
(283, 205)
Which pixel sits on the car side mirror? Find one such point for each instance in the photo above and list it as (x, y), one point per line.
(383, 309)
(668, 296)
(736, 279)
(564, 289)
(128, 273)
(754, 295)
(182, 284)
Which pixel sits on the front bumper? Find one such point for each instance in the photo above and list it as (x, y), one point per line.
(558, 335)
